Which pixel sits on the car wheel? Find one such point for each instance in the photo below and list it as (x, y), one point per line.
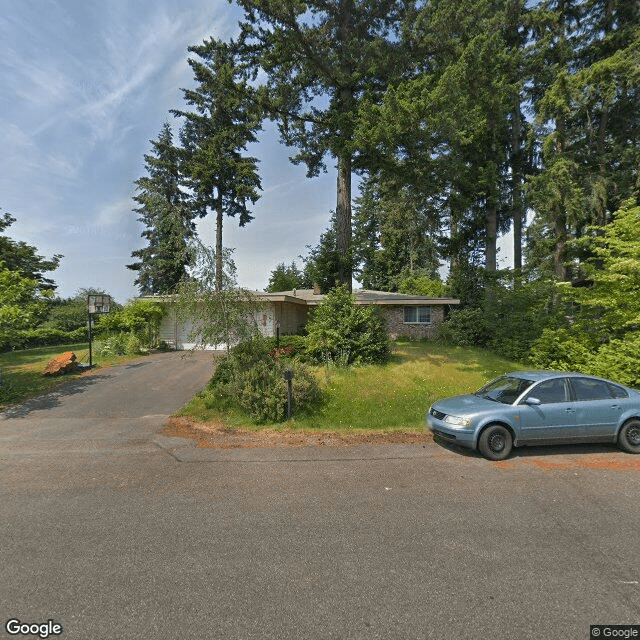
(629, 436)
(495, 442)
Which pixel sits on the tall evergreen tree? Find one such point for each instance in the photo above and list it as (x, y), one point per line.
(215, 135)
(320, 58)
(586, 100)
(168, 221)
(394, 237)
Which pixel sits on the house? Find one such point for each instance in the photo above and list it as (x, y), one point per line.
(287, 312)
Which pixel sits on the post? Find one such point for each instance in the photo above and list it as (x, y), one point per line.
(288, 376)
(90, 337)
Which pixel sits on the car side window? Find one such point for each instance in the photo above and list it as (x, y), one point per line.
(616, 391)
(550, 391)
(590, 389)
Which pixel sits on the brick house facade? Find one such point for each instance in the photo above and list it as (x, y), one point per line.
(287, 313)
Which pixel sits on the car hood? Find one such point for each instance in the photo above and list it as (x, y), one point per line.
(467, 404)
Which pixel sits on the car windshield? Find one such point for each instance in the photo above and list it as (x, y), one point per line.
(505, 389)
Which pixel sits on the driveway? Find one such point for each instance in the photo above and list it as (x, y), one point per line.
(121, 406)
(114, 531)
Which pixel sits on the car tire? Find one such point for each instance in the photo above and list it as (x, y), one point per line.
(629, 436)
(495, 442)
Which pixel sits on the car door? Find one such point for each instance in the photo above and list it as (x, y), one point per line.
(553, 419)
(597, 412)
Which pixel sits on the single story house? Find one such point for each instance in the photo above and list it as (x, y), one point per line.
(288, 312)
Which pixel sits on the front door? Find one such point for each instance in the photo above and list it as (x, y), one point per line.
(553, 418)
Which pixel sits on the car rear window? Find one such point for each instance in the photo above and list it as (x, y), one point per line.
(616, 391)
(590, 389)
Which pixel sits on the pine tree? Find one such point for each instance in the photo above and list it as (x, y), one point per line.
(215, 135)
(168, 222)
(320, 58)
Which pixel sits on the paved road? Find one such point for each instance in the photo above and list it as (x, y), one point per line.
(114, 531)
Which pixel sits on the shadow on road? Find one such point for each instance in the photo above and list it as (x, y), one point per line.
(540, 450)
(51, 400)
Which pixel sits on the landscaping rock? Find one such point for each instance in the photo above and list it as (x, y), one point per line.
(61, 364)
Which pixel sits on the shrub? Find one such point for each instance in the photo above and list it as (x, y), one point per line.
(46, 336)
(251, 380)
(346, 333)
(562, 350)
(466, 327)
(111, 346)
(619, 360)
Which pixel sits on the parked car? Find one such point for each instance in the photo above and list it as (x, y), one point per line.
(539, 407)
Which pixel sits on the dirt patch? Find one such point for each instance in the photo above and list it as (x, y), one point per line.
(595, 461)
(216, 436)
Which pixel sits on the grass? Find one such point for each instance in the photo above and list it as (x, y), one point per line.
(21, 371)
(392, 397)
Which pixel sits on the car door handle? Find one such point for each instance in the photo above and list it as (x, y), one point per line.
(570, 410)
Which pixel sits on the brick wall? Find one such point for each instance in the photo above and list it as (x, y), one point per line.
(394, 316)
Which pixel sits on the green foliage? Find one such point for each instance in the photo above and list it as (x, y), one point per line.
(422, 285)
(22, 258)
(226, 118)
(285, 278)
(251, 380)
(20, 305)
(466, 328)
(139, 317)
(619, 360)
(168, 222)
(118, 344)
(45, 336)
(563, 350)
(322, 262)
(393, 237)
(345, 333)
(611, 305)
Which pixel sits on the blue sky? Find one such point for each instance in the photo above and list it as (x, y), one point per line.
(85, 84)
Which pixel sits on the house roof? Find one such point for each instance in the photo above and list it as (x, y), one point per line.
(307, 297)
(363, 296)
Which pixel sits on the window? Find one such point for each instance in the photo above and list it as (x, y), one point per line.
(616, 391)
(550, 391)
(590, 389)
(417, 315)
(504, 389)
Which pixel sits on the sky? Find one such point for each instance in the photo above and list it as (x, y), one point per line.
(84, 86)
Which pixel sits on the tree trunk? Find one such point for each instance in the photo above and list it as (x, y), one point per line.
(491, 232)
(516, 189)
(343, 221)
(559, 256)
(219, 244)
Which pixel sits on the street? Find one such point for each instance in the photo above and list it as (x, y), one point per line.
(112, 530)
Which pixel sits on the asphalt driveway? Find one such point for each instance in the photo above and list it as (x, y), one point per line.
(114, 531)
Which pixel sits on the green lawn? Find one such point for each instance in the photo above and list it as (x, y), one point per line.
(393, 397)
(21, 371)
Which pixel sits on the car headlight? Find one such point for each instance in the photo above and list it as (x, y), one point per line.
(457, 421)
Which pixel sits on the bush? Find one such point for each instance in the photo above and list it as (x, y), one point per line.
(346, 333)
(44, 337)
(619, 360)
(467, 328)
(251, 380)
(111, 346)
(562, 350)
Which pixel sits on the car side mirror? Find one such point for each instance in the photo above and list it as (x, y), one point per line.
(534, 402)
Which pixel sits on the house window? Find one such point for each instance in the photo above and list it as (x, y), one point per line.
(417, 315)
